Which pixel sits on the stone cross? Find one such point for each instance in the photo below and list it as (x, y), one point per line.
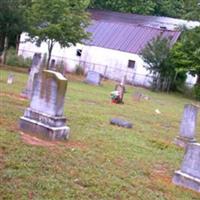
(188, 126)
(35, 68)
(189, 174)
(93, 78)
(45, 117)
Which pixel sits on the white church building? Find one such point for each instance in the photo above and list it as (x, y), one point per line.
(115, 45)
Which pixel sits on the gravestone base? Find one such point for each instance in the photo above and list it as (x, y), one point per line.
(187, 181)
(183, 141)
(43, 125)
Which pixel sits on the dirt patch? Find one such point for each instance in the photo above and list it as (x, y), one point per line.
(8, 124)
(28, 139)
(91, 102)
(161, 172)
(1, 158)
(14, 96)
(160, 144)
(119, 161)
(31, 140)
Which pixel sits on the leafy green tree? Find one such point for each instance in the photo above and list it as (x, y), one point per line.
(12, 21)
(62, 21)
(156, 55)
(131, 6)
(192, 9)
(186, 53)
(171, 8)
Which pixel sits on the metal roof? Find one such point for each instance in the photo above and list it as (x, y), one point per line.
(123, 36)
(143, 20)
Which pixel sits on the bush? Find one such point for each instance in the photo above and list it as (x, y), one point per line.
(79, 70)
(13, 59)
(179, 83)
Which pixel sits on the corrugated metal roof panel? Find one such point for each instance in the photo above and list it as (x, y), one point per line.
(125, 37)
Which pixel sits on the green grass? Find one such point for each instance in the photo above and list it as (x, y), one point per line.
(100, 161)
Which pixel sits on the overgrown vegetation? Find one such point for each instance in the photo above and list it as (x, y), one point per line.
(12, 23)
(79, 70)
(171, 8)
(100, 161)
(156, 55)
(13, 59)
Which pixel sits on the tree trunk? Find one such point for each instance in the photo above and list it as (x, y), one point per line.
(50, 48)
(17, 42)
(4, 54)
(2, 44)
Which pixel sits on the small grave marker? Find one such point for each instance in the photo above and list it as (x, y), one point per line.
(137, 96)
(10, 79)
(120, 122)
(93, 78)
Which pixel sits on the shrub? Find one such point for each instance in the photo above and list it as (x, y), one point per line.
(179, 83)
(13, 59)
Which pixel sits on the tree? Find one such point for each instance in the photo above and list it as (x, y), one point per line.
(12, 21)
(192, 9)
(156, 55)
(62, 21)
(186, 53)
(130, 6)
(171, 8)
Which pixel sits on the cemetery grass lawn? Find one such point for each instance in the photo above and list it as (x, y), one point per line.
(100, 161)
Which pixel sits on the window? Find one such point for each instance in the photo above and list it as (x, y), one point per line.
(78, 52)
(131, 64)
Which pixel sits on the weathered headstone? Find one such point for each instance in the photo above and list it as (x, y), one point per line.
(35, 68)
(53, 65)
(45, 117)
(138, 96)
(188, 126)
(61, 68)
(189, 174)
(93, 78)
(10, 79)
